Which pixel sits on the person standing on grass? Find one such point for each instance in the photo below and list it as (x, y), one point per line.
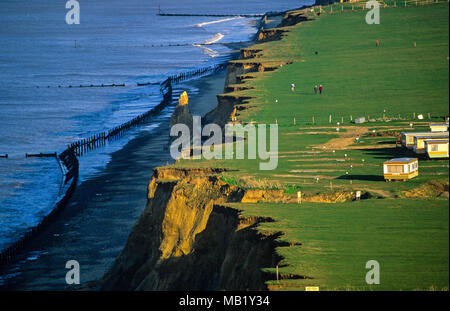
(320, 89)
(378, 43)
(292, 87)
(315, 89)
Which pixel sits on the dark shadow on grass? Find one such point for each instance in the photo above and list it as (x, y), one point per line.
(386, 142)
(389, 153)
(362, 177)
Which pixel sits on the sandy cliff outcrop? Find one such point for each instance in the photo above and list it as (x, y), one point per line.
(186, 240)
(182, 114)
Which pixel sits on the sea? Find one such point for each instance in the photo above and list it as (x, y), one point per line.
(44, 60)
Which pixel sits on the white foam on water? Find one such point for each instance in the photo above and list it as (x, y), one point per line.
(217, 21)
(216, 38)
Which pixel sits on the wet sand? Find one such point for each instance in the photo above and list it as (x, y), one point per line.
(94, 227)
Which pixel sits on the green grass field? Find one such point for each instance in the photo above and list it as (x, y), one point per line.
(397, 80)
(409, 240)
(359, 79)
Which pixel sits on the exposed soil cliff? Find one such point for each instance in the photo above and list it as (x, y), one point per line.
(186, 240)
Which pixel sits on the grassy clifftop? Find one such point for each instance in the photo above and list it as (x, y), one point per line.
(327, 239)
(390, 85)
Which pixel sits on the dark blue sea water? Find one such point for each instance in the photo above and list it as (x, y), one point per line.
(115, 42)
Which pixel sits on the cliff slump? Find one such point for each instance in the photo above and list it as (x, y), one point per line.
(270, 35)
(250, 53)
(225, 109)
(186, 240)
(292, 18)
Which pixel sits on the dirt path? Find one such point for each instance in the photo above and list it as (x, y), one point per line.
(345, 139)
(383, 193)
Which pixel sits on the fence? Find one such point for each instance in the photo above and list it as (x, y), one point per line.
(183, 76)
(338, 120)
(173, 79)
(361, 6)
(82, 146)
(90, 85)
(70, 169)
(70, 162)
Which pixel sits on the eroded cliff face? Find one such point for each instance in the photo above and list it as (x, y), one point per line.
(187, 240)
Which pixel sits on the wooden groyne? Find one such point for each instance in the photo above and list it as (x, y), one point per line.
(160, 13)
(211, 15)
(90, 85)
(70, 167)
(195, 44)
(70, 162)
(82, 146)
(183, 76)
(173, 78)
(198, 72)
(40, 155)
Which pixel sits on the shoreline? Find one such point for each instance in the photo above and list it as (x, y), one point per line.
(196, 209)
(51, 243)
(200, 231)
(95, 216)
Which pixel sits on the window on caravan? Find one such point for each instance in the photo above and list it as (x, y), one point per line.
(395, 168)
(434, 147)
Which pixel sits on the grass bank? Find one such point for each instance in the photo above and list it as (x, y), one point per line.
(391, 84)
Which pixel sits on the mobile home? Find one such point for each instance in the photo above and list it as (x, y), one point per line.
(408, 137)
(419, 142)
(436, 149)
(439, 127)
(400, 168)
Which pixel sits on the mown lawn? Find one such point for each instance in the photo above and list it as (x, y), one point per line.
(409, 239)
(359, 79)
